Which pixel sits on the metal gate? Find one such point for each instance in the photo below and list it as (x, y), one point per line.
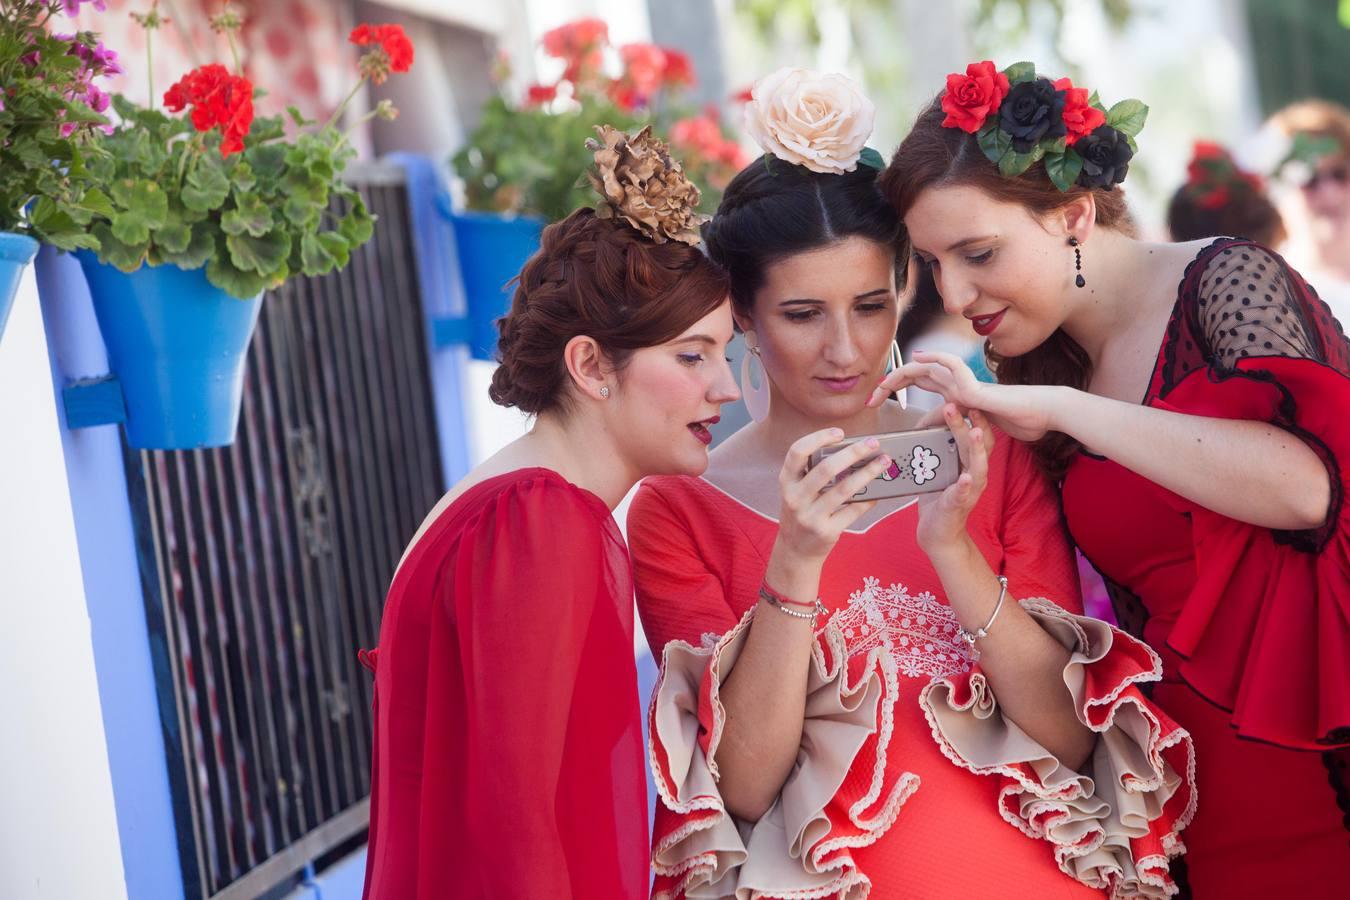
(265, 565)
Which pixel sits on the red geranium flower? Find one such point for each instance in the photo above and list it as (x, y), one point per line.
(218, 99)
(394, 51)
(973, 97)
(1080, 118)
(578, 44)
(679, 71)
(540, 93)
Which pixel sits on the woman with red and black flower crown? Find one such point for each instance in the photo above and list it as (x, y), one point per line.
(822, 727)
(508, 738)
(1190, 400)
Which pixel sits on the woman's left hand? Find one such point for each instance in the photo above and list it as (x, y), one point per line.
(1022, 411)
(942, 517)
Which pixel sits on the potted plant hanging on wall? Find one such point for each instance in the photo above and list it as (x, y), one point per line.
(524, 165)
(50, 109)
(209, 207)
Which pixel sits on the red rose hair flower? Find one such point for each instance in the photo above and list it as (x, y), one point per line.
(218, 99)
(1080, 118)
(393, 50)
(973, 97)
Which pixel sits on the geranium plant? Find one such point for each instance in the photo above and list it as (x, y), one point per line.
(51, 110)
(206, 183)
(529, 157)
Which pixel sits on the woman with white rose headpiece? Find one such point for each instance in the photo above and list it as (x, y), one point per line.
(821, 727)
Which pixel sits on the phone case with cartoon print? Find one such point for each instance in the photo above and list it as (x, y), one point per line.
(921, 462)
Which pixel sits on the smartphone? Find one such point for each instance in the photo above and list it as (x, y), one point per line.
(922, 462)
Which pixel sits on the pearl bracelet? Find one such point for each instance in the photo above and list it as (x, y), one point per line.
(780, 603)
(970, 637)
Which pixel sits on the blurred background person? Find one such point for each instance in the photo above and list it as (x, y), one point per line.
(1221, 199)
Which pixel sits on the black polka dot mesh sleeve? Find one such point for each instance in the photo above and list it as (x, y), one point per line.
(1246, 307)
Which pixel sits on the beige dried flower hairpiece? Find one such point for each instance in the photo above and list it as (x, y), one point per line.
(641, 183)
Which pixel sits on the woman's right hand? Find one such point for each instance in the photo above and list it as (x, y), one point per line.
(813, 514)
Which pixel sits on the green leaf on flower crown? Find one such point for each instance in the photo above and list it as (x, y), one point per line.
(1058, 145)
(1063, 168)
(116, 253)
(199, 248)
(1020, 72)
(1127, 116)
(1134, 147)
(1095, 101)
(206, 187)
(263, 255)
(250, 215)
(871, 158)
(994, 141)
(1014, 163)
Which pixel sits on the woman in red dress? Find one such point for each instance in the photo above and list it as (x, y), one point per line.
(1191, 401)
(508, 740)
(852, 745)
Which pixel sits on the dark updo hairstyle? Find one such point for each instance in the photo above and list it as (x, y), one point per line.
(773, 209)
(600, 278)
(1245, 211)
(934, 156)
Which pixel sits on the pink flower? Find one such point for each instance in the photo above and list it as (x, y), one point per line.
(72, 7)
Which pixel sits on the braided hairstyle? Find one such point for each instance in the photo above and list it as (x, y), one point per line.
(773, 209)
(603, 279)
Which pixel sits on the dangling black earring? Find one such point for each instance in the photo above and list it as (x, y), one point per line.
(1077, 262)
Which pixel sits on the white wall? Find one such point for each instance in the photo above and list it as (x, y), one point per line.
(58, 828)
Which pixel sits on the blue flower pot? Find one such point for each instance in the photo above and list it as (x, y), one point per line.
(16, 252)
(492, 250)
(177, 345)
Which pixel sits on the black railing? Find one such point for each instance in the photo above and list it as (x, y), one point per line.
(265, 565)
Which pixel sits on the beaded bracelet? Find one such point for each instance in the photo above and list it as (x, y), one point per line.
(970, 637)
(781, 603)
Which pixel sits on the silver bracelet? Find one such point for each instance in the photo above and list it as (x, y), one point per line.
(970, 637)
(770, 596)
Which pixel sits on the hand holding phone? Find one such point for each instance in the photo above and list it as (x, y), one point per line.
(922, 462)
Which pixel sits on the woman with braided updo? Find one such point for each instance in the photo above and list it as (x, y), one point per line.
(508, 745)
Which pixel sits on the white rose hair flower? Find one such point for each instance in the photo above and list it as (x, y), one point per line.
(810, 119)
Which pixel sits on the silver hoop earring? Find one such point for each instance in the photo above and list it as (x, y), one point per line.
(756, 396)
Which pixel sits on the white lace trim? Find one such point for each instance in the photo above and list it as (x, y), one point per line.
(919, 630)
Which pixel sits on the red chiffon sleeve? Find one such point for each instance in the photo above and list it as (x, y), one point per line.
(554, 793)
(1265, 632)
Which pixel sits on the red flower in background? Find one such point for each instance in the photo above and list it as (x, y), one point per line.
(540, 93)
(218, 100)
(1080, 118)
(679, 71)
(1212, 174)
(393, 53)
(578, 44)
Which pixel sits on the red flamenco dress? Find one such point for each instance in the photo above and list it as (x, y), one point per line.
(508, 746)
(1253, 625)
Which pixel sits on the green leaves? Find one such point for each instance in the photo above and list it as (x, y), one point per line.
(206, 188)
(164, 195)
(250, 215)
(997, 147)
(1127, 117)
(1019, 72)
(872, 159)
(1063, 168)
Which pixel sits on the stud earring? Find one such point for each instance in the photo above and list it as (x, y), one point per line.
(1077, 262)
(604, 392)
